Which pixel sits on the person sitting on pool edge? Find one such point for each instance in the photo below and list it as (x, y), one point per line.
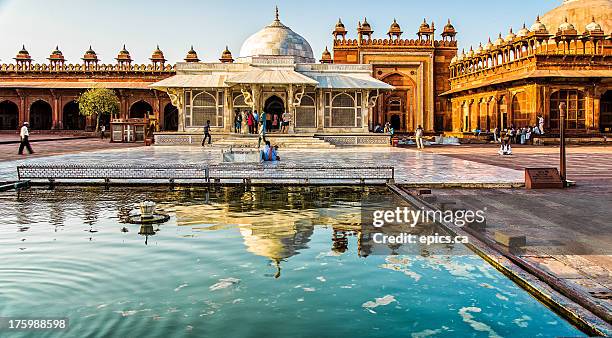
(269, 153)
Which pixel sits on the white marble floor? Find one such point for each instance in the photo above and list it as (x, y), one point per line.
(410, 165)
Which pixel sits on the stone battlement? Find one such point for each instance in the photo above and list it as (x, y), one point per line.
(393, 42)
(82, 68)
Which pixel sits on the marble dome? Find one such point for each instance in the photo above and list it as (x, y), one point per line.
(580, 13)
(277, 39)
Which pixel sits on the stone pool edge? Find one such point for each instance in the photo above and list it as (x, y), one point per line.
(569, 309)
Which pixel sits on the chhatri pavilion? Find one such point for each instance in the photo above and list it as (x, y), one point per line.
(275, 73)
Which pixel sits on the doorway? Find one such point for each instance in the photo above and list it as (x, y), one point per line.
(170, 118)
(396, 122)
(140, 109)
(41, 116)
(274, 108)
(72, 119)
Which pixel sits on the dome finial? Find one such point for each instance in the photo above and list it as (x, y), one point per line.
(276, 14)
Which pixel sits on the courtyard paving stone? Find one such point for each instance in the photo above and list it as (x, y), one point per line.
(410, 166)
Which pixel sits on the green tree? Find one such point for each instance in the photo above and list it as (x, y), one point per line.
(98, 102)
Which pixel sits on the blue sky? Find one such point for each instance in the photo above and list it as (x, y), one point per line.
(210, 25)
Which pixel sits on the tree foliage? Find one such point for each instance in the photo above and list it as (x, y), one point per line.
(98, 102)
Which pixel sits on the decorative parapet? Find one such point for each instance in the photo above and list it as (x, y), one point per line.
(81, 68)
(214, 66)
(334, 67)
(514, 57)
(394, 42)
(565, 49)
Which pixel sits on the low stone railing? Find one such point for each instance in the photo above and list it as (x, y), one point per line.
(267, 172)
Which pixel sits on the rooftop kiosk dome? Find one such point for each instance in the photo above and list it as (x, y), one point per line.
(277, 39)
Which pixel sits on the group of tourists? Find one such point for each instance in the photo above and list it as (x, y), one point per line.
(252, 121)
(517, 135)
(388, 129)
(523, 135)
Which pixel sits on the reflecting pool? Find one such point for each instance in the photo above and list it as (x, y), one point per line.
(236, 262)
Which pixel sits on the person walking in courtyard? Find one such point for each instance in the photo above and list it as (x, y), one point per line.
(25, 142)
(541, 124)
(207, 133)
(103, 132)
(419, 137)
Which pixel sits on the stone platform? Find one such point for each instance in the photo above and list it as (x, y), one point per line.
(287, 141)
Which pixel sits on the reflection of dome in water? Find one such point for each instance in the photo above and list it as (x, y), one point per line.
(277, 239)
(278, 40)
(580, 13)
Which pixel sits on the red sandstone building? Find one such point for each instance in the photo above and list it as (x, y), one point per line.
(565, 56)
(417, 68)
(45, 94)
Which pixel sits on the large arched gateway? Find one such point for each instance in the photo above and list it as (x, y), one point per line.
(140, 109)
(9, 115)
(71, 117)
(41, 115)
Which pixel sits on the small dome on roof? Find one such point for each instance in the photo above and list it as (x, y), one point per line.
(449, 27)
(566, 26)
(454, 60)
(326, 56)
(365, 26)
(538, 26)
(470, 53)
(158, 55)
(499, 41)
(424, 26)
(23, 55)
(192, 56)
(90, 55)
(56, 55)
(339, 24)
(523, 32)
(510, 37)
(461, 56)
(339, 27)
(395, 27)
(226, 56)
(479, 49)
(593, 26)
(489, 45)
(124, 55)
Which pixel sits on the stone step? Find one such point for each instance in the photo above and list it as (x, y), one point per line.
(291, 142)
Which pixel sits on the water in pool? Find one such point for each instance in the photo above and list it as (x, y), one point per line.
(236, 262)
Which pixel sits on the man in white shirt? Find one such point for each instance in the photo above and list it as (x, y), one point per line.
(419, 137)
(25, 134)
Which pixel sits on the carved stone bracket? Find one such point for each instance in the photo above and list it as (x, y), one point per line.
(297, 101)
(248, 94)
(176, 97)
(372, 98)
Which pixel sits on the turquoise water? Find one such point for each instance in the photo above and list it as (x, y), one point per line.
(273, 262)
